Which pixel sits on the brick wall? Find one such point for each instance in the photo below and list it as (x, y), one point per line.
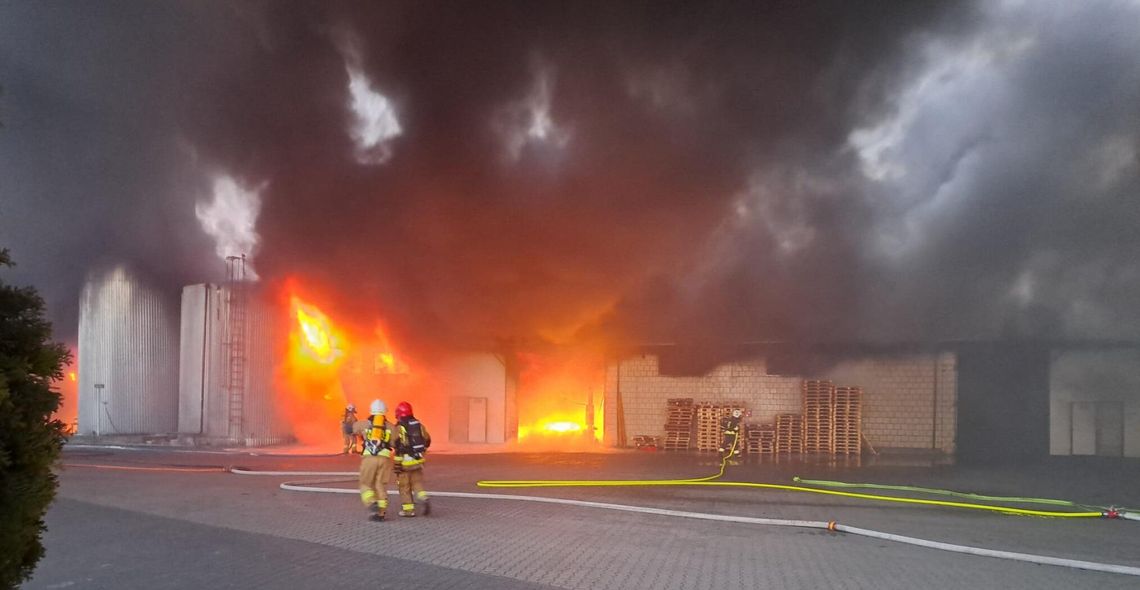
(899, 409)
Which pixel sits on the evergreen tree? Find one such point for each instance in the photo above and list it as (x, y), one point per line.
(30, 440)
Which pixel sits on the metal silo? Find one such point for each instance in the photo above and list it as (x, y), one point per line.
(209, 407)
(128, 340)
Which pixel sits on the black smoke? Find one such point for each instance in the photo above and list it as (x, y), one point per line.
(704, 186)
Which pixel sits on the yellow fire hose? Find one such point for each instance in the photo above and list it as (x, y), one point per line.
(711, 481)
(967, 495)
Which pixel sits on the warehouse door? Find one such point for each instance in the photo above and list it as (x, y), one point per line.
(1098, 428)
(477, 420)
(1084, 428)
(457, 420)
(467, 421)
(1110, 429)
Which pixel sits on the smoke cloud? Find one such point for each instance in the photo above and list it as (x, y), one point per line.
(231, 219)
(633, 172)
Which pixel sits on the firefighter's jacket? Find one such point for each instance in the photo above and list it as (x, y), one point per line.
(378, 437)
(412, 440)
(730, 425)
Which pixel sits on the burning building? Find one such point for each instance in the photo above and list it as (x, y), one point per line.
(254, 368)
(242, 365)
(800, 173)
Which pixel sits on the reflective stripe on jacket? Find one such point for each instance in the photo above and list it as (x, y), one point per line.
(412, 439)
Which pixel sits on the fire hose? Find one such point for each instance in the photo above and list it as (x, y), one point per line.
(711, 480)
(831, 525)
(1127, 513)
(836, 527)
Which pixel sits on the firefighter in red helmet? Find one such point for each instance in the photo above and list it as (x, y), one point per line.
(412, 441)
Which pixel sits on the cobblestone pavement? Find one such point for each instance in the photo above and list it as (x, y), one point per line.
(137, 550)
(574, 547)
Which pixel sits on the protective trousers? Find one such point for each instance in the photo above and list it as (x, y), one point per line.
(375, 474)
(411, 482)
(729, 444)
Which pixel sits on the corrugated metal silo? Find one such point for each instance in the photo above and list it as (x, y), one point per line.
(128, 342)
(205, 408)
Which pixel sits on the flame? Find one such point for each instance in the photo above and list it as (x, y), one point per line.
(325, 368)
(563, 426)
(387, 360)
(317, 341)
(312, 392)
(68, 388)
(560, 400)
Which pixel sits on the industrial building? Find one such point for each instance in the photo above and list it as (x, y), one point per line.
(973, 400)
(201, 369)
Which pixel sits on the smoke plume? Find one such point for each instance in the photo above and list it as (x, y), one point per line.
(638, 172)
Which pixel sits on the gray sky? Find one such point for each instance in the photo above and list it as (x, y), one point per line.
(642, 171)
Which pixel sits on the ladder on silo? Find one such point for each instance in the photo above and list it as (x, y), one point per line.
(235, 330)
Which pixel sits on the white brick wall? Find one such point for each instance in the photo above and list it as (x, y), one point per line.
(898, 409)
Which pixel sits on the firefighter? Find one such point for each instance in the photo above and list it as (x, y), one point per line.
(730, 425)
(376, 462)
(412, 440)
(346, 422)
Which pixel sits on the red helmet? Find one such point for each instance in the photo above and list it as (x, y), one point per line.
(403, 410)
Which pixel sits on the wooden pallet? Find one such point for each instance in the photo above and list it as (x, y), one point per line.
(848, 413)
(679, 419)
(789, 433)
(760, 439)
(819, 418)
(707, 427)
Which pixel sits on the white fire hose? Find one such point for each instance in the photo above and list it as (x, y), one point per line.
(813, 524)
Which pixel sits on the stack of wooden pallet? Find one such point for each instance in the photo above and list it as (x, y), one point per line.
(760, 439)
(679, 424)
(848, 418)
(819, 420)
(789, 433)
(708, 426)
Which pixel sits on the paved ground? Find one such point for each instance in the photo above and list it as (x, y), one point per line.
(176, 529)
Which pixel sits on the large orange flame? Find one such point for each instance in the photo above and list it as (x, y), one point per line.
(316, 338)
(324, 371)
(314, 396)
(560, 401)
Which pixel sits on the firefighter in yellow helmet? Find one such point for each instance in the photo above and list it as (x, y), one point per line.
(376, 462)
(412, 441)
